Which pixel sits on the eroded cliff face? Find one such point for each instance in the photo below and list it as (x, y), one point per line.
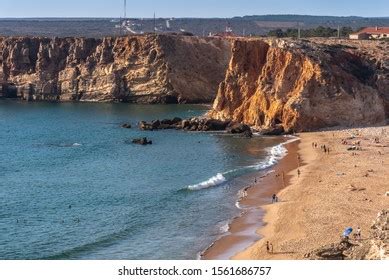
(149, 69)
(303, 86)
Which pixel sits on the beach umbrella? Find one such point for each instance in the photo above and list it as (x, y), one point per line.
(347, 231)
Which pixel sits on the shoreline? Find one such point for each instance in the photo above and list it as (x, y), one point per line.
(335, 190)
(242, 229)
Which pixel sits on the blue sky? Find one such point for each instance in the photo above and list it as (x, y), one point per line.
(190, 8)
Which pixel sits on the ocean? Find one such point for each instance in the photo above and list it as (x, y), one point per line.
(73, 186)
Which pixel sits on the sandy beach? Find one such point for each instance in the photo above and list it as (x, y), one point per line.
(243, 229)
(335, 190)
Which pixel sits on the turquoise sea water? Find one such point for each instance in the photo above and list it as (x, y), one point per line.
(73, 187)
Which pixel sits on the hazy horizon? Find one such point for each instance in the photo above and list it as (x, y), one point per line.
(102, 18)
(188, 9)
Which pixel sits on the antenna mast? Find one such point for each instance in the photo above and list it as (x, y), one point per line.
(155, 24)
(125, 9)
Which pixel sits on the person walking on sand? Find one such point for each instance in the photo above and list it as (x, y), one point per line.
(271, 248)
(268, 246)
(274, 198)
(298, 173)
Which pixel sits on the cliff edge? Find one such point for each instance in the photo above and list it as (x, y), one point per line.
(303, 85)
(145, 69)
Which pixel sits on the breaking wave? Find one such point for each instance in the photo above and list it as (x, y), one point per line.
(213, 181)
(275, 154)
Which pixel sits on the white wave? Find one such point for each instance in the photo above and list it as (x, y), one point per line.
(225, 228)
(76, 145)
(211, 182)
(237, 205)
(275, 154)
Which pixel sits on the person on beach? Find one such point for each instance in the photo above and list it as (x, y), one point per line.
(271, 248)
(268, 246)
(358, 233)
(274, 198)
(255, 180)
(298, 173)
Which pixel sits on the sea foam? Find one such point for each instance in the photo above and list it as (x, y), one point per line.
(213, 181)
(275, 154)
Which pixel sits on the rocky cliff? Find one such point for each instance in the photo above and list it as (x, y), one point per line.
(147, 69)
(305, 85)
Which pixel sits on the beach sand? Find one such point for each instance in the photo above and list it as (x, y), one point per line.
(243, 229)
(334, 191)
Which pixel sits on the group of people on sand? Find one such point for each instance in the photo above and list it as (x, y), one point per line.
(324, 148)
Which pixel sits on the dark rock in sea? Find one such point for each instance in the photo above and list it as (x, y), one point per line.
(126, 125)
(155, 124)
(142, 141)
(248, 134)
(197, 124)
(276, 130)
(145, 126)
(238, 128)
(172, 121)
(216, 125)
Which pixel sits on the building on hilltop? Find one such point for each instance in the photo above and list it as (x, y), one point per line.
(371, 33)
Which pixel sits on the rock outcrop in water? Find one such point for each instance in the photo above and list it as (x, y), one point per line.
(297, 86)
(197, 124)
(143, 69)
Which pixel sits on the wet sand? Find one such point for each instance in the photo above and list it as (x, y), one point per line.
(243, 229)
(334, 191)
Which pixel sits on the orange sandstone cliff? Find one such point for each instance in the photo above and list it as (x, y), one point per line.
(147, 69)
(305, 85)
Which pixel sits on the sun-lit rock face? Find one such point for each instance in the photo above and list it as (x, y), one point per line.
(150, 69)
(302, 85)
